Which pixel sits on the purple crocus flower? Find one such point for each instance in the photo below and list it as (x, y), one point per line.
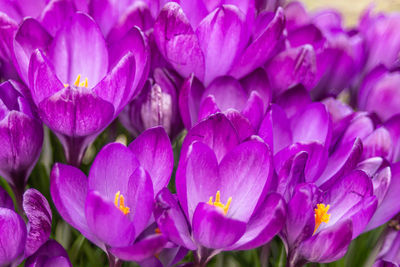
(222, 188)
(49, 254)
(19, 240)
(321, 224)
(112, 207)
(245, 104)
(222, 42)
(76, 94)
(21, 137)
(157, 104)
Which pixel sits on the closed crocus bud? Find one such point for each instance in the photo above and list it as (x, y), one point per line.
(389, 253)
(21, 137)
(157, 105)
(48, 255)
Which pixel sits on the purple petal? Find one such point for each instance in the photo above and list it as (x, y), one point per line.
(201, 177)
(68, 187)
(393, 126)
(390, 205)
(291, 67)
(241, 124)
(377, 144)
(13, 236)
(212, 229)
(171, 220)
(189, 101)
(143, 249)
(153, 150)
(275, 129)
(254, 109)
(328, 245)
(42, 79)
(300, 221)
(258, 81)
(30, 36)
(264, 224)
(133, 42)
(177, 41)
(208, 107)
(111, 171)
(312, 125)
(107, 222)
(50, 253)
(5, 200)
(217, 132)
(8, 27)
(79, 48)
(116, 87)
(261, 49)
(75, 112)
(222, 37)
(55, 14)
(294, 100)
(140, 198)
(250, 164)
(344, 159)
(39, 215)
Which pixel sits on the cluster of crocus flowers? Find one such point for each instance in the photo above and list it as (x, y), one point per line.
(249, 122)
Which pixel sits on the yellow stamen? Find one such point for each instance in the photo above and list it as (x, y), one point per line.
(158, 231)
(78, 82)
(78, 79)
(66, 85)
(119, 202)
(219, 204)
(321, 215)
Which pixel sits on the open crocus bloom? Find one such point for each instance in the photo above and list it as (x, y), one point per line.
(19, 240)
(216, 43)
(113, 206)
(222, 188)
(76, 95)
(321, 224)
(21, 137)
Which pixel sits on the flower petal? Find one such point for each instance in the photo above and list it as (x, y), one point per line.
(212, 229)
(107, 222)
(79, 49)
(222, 37)
(55, 14)
(177, 41)
(5, 200)
(50, 253)
(111, 171)
(154, 151)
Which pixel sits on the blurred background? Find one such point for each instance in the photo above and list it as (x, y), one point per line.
(353, 8)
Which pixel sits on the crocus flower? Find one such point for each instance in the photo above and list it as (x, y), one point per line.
(222, 188)
(112, 207)
(21, 137)
(76, 95)
(244, 102)
(157, 104)
(321, 224)
(19, 240)
(222, 42)
(49, 254)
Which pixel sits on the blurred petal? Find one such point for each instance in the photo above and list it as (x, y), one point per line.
(55, 14)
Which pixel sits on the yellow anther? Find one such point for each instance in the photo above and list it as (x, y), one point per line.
(66, 85)
(78, 79)
(119, 202)
(321, 215)
(217, 202)
(78, 82)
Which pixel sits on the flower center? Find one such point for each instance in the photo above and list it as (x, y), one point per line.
(321, 215)
(217, 202)
(119, 202)
(78, 82)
